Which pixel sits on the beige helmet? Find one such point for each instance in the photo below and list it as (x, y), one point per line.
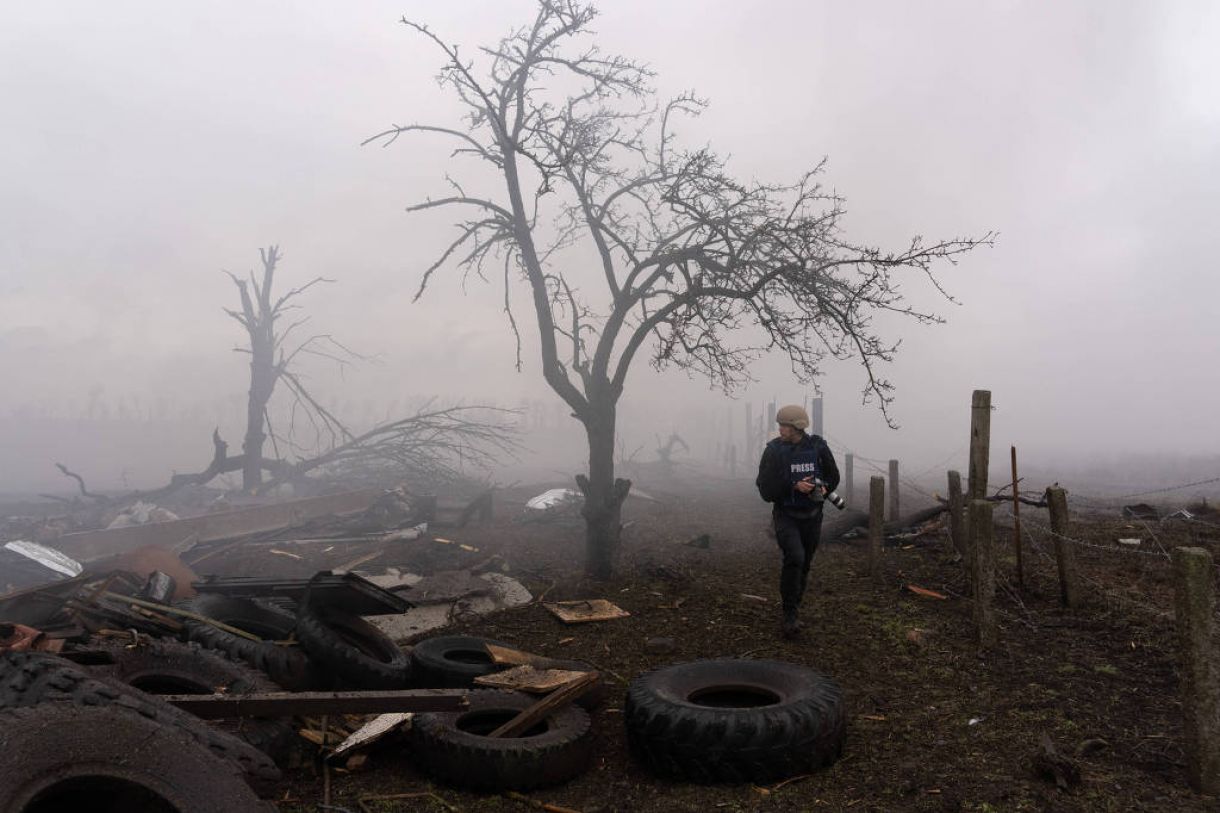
(794, 415)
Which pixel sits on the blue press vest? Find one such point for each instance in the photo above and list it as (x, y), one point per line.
(800, 463)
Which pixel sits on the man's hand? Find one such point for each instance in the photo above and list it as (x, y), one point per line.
(805, 486)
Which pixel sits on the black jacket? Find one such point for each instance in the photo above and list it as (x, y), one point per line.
(775, 482)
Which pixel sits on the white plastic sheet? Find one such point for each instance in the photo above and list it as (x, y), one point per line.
(553, 498)
(47, 557)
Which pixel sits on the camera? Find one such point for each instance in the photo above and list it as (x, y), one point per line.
(832, 497)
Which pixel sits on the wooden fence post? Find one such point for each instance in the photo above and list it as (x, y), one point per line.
(876, 523)
(1193, 598)
(748, 448)
(1016, 522)
(849, 477)
(1065, 554)
(980, 443)
(957, 516)
(893, 490)
(980, 454)
(983, 573)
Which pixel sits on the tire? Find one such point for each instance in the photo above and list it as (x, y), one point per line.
(109, 759)
(287, 666)
(354, 651)
(169, 667)
(454, 661)
(36, 679)
(452, 746)
(735, 720)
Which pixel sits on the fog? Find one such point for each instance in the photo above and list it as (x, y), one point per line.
(148, 146)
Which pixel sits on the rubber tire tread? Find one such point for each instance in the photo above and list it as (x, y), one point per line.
(320, 633)
(681, 740)
(432, 668)
(467, 760)
(208, 670)
(30, 679)
(61, 740)
(287, 666)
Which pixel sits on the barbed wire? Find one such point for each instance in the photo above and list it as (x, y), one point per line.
(1036, 545)
(1169, 488)
(1163, 490)
(1158, 554)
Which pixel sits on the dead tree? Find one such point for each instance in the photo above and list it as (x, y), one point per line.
(271, 358)
(684, 255)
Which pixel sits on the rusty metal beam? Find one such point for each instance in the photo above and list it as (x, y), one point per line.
(211, 707)
(292, 704)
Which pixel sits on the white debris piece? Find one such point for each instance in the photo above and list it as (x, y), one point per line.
(406, 534)
(47, 557)
(142, 513)
(505, 592)
(553, 498)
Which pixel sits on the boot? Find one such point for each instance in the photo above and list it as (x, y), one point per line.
(790, 629)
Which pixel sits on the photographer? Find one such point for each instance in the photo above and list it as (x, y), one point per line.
(796, 472)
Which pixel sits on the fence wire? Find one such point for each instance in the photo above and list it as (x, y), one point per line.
(1108, 593)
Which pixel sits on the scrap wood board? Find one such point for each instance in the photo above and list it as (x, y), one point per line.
(526, 678)
(513, 657)
(579, 612)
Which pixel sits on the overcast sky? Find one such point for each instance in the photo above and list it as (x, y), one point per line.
(147, 146)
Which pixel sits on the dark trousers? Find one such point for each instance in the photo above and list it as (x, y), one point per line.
(798, 540)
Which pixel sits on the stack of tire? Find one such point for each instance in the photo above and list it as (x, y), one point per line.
(334, 649)
(72, 741)
(454, 748)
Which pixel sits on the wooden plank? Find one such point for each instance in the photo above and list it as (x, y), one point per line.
(370, 732)
(512, 657)
(294, 704)
(545, 707)
(526, 678)
(580, 612)
(87, 545)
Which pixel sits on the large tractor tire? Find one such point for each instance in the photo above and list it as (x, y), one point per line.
(111, 759)
(170, 667)
(735, 721)
(30, 679)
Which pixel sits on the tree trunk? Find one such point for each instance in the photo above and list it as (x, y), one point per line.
(604, 494)
(262, 383)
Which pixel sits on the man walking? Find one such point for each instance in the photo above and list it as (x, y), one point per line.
(796, 471)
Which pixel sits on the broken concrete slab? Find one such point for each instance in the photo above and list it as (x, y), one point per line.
(505, 593)
(446, 587)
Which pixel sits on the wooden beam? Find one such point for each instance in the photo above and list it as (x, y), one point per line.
(88, 545)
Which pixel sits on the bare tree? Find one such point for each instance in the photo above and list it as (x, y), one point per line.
(685, 253)
(272, 354)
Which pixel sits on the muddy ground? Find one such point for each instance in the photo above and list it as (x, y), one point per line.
(934, 724)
